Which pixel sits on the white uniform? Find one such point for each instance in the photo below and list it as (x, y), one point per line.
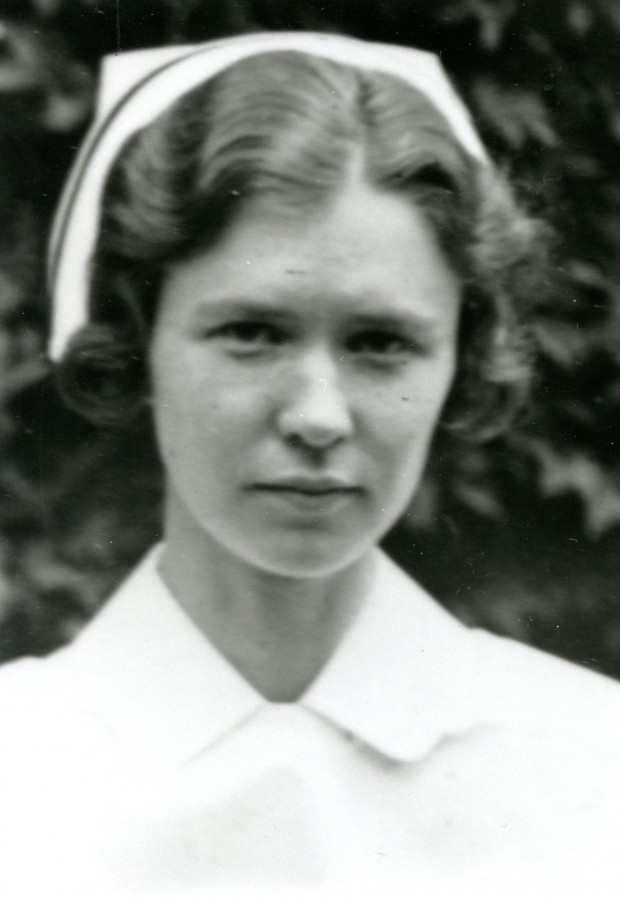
(426, 756)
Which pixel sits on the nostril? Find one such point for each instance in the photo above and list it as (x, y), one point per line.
(313, 453)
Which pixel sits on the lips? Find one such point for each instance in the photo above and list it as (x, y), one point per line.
(303, 494)
(311, 486)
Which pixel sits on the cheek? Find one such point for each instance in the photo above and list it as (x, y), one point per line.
(203, 419)
(408, 412)
(405, 423)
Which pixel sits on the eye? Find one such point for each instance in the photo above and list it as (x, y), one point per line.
(247, 335)
(379, 342)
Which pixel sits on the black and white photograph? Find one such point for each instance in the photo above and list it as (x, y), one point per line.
(309, 449)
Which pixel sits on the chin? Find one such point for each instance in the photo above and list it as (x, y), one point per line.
(308, 560)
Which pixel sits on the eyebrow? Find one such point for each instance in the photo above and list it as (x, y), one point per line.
(395, 317)
(231, 306)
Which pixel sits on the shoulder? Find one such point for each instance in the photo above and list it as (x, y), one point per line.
(551, 737)
(525, 685)
(499, 678)
(25, 691)
(45, 717)
(459, 679)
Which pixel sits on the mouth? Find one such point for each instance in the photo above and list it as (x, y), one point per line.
(310, 487)
(302, 493)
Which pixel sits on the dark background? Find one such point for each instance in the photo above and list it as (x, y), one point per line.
(520, 535)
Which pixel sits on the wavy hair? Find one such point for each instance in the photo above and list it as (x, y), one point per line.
(289, 125)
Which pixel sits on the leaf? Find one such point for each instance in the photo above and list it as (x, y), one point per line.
(20, 59)
(25, 373)
(518, 116)
(582, 165)
(10, 294)
(579, 18)
(560, 342)
(36, 62)
(611, 10)
(587, 274)
(47, 8)
(579, 473)
(65, 111)
(492, 17)
(479, 499)
(608, 226)
(5, 585)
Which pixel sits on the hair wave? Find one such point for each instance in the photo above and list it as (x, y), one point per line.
(291, 125)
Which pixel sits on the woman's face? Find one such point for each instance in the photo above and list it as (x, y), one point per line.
(299, 368)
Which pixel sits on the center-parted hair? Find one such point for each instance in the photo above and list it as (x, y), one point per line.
(291, 126)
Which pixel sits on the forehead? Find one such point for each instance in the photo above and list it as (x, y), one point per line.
(367, 245)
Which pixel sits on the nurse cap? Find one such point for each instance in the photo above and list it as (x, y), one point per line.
(137, 87)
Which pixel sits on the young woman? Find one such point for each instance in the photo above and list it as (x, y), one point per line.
(296, 252)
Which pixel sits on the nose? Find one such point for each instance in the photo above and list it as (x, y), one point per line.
(315, 411)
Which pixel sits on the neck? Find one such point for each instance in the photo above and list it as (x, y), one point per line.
(277, 631)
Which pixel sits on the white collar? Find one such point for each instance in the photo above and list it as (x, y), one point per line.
(401, 680)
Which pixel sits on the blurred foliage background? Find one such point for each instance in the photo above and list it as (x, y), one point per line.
(523, 535)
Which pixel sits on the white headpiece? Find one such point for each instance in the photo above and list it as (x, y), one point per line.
(137, 87)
